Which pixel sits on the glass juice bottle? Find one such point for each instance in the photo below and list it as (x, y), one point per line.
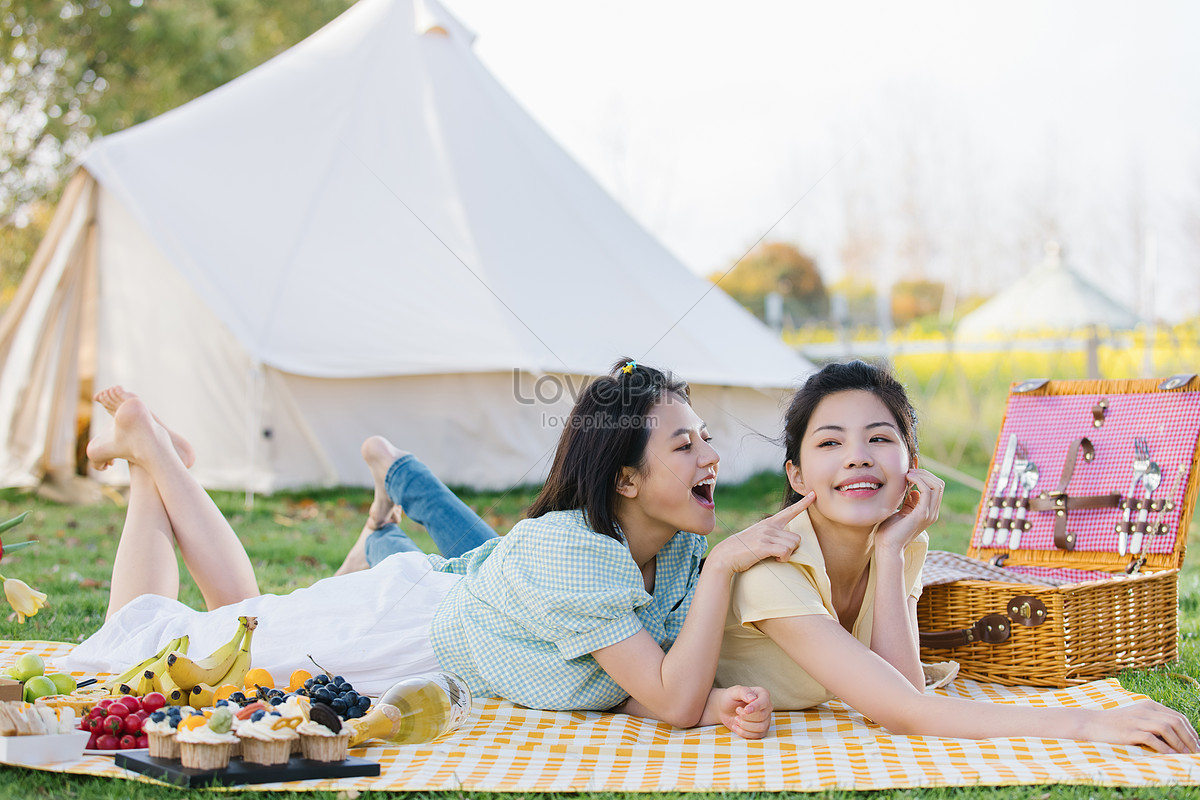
(415, 710)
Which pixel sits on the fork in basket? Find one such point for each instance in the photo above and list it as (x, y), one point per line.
(1141, 463)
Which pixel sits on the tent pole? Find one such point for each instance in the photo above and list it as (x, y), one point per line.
(253, 427)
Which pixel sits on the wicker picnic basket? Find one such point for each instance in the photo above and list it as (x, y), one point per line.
(1098, 545)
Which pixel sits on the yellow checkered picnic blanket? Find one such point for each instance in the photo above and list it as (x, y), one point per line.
(507, 748)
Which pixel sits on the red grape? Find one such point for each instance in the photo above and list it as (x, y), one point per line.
(128, 741)
(108, 742)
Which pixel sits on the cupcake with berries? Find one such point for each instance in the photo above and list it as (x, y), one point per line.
(160, 729)
(267, 737)
(207, 743)
(323, 737)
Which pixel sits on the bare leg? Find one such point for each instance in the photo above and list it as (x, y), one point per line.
(145, 562)
(112, 398)
(379, 454)
(211, 550)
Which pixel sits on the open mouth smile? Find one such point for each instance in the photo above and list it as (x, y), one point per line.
(859, 486)
(703, 492)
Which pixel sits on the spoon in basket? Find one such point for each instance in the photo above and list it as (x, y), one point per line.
(1150, 482)
(1029, 479)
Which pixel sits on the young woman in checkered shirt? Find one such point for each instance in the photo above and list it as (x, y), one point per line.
(596, 601)
(838, 619)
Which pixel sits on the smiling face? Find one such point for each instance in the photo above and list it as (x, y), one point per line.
(672, 489)
(854, 457)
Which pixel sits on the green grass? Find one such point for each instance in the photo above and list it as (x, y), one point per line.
(296, 538)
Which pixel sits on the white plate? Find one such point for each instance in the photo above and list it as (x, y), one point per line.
(87, 752)
(33, 750)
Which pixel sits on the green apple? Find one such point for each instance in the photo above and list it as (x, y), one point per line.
(63, 682)
(39, 686)
(28, 666)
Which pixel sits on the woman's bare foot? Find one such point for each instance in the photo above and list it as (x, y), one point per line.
(379, 454)
(112, 398)
(135, 436)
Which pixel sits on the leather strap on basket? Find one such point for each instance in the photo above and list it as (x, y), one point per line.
(1025, 610)
(1060, 503)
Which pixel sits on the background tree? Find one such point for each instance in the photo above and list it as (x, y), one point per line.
(74, 70)
(777, 267)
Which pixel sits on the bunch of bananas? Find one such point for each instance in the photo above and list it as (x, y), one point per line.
(134, 679)
(184, 681)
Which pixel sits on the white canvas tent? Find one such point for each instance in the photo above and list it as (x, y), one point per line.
(364, 235)
(1052, 300)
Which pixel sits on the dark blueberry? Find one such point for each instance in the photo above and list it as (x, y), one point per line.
(257, 715)
(351, 698)
(222, 702)
(338, 679)
(158, 716)
(238, 697)
(275, 701)
(353, 713)
(364, 702)
(338, 705)
(308, 684)
(323, 694)
(321, 679)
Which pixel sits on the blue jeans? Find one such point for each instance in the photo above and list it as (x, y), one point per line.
(455, 528)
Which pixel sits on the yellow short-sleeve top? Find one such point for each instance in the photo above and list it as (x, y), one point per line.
(797, 587)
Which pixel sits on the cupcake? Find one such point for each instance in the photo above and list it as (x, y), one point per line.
(208, 744)
(297, 707)
(267, 737)
(160, 729)
(323, 737)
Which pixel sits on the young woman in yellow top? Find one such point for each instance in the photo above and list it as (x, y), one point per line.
(838, 619)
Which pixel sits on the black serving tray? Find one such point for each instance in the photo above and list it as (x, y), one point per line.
(171, 770)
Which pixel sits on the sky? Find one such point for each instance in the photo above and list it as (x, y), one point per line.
(944, 140)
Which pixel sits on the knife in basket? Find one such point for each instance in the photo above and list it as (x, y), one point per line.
(1010, 453)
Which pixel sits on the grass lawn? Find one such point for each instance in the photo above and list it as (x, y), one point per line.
(295, 538)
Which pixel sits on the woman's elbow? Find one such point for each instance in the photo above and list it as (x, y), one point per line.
(902, 719)
(684, 717)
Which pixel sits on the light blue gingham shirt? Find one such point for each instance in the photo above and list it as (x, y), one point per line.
(535, 603)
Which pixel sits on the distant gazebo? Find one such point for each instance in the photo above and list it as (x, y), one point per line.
(1052, 300)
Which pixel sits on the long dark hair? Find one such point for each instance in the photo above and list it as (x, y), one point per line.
(834, 378)
(607, 430)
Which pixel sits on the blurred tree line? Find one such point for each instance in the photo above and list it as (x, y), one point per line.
(74, 70)
(801, 298)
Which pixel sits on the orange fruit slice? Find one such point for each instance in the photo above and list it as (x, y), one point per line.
(194, 721)
(297, 680)
(224, 690)
(259, 677)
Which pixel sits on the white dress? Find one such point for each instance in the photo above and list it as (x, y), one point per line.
(371, 627)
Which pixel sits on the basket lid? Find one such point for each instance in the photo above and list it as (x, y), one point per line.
(1094, 475)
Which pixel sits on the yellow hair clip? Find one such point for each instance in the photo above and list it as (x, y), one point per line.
(629, 367)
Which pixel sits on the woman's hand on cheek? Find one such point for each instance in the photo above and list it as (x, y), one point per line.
(766, 539)
(918, 510)
(746, 710)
